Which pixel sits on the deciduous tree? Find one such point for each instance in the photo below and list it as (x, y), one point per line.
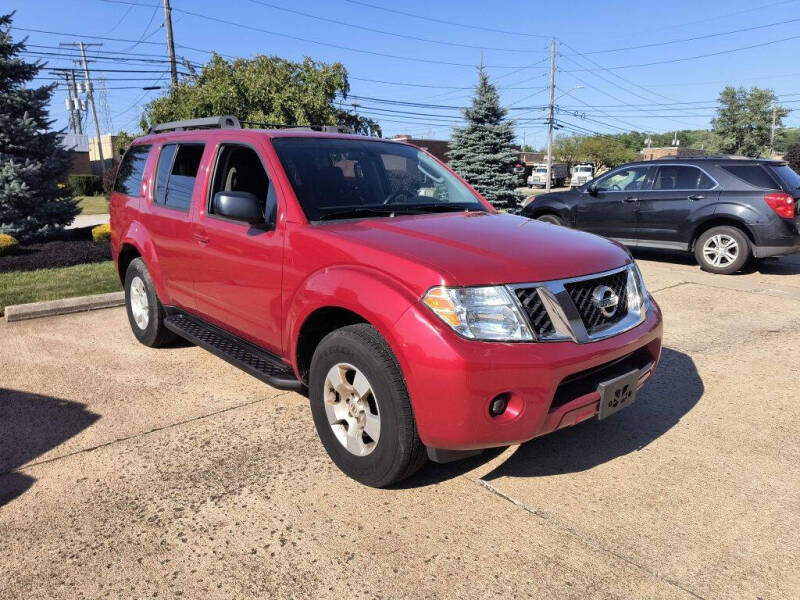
(744, 120)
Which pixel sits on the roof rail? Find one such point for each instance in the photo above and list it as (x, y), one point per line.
(222, 122)
(320, 128)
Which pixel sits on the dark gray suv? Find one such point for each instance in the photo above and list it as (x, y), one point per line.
(725, 209)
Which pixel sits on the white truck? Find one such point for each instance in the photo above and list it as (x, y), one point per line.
(581, 174)
(538, 176)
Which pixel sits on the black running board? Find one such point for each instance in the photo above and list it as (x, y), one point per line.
(240, 353)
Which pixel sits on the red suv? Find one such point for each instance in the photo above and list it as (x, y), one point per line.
(420, 321)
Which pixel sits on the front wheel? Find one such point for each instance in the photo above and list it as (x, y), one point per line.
(361, 408)
(554, 219)
(723, 250)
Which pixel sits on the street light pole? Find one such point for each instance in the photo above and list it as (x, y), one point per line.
(552, 112)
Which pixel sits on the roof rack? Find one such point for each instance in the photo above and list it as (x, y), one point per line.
(320, 128)
(222, 122)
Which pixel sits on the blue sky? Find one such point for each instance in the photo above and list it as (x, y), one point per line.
(593, 40)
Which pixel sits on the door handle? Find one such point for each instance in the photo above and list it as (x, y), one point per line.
(630, 199)
(200, 238)
(696, 197)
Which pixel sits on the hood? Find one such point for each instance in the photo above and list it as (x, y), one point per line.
(485, 249)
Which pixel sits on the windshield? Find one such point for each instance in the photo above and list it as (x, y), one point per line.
(788, 176)
(583, 169)
(541, 170)
(336, 178)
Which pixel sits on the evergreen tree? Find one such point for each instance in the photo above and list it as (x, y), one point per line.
(481, 152)
(32, 160)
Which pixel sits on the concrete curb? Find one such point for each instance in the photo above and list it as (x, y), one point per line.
(35, 310)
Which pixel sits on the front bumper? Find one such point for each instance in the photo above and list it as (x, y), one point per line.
(452, 380)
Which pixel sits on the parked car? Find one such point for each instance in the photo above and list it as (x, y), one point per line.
(538, 176)
(725, 209)
(363, 272)
(580, 175)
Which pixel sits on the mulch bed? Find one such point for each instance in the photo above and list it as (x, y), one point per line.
(58, 253)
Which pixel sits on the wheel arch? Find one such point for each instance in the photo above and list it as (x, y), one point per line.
(315, 327)
(719, 221)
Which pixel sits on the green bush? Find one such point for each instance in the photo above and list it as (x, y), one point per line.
(85, 185)
(101, 233)
(7, 243)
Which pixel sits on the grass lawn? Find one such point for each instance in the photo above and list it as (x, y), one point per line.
(20, 287)
(92, 205)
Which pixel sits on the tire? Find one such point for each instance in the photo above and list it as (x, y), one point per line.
(722, 250)
(550, 218)
(145, 312)
(358, 362)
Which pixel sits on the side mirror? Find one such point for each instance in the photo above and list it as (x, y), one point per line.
(240, 206)
(592, 189)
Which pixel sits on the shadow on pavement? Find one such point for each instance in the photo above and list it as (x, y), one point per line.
(31, 425)
(782, 265)
(671, 393)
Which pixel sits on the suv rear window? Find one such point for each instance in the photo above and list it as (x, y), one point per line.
(755, 175)
(131, 171)
(177, 170)
(789, 177)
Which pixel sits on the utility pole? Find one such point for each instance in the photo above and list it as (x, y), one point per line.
(90, 92)
(173, 68)
(772, 131)
(552, 112)
(78, 126)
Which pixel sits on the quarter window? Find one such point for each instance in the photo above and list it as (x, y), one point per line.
(680, 177)
(177, 171)
(627, 179)
(131, 171)
(755, 175)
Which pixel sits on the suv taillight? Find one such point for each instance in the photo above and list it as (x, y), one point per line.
(782, 204)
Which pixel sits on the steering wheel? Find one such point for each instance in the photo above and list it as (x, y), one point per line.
(396, 195)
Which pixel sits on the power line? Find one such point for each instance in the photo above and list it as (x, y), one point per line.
(385, 32)
(318, 42)
(445, 22)
(698, 56)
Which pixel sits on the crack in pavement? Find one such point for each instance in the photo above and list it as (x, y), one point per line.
(583, 539)
(138, 435)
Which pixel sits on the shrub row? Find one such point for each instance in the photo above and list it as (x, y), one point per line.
(85, 185)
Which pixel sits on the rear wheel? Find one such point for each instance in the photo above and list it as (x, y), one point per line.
(361, 408)
(145, 312)
(550, 218)
(723, 250)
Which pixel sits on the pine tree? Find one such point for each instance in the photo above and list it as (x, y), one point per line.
(32, 160)
(481, 152)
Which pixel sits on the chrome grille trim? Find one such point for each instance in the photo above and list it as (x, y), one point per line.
(567, 321)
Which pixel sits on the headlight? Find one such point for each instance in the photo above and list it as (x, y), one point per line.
(637, 293)
(480, 313)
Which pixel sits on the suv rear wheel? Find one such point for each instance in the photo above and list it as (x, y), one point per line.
(145, 313)
(361, 408)
(550, 218)
(723, 250)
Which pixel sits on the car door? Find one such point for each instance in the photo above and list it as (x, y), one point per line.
(608, 206)
(238, 266)
(169, 218)
(664, 212)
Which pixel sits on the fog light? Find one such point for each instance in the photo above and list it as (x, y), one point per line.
(498, 406)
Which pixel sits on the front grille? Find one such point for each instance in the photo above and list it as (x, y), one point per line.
(593, 318)
(537, 314)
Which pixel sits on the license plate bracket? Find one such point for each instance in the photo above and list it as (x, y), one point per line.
(617, 393)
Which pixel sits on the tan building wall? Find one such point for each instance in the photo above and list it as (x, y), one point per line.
(661, 152)
(108, 143)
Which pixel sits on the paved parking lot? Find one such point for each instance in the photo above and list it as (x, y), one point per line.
(130, 472)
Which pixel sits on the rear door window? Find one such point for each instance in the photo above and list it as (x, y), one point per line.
(177, 171)
(754, 175)
(682, 178)
(131, 171)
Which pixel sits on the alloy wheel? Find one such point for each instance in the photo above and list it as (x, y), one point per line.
(352, 409)
(720, 250)
(140, 305)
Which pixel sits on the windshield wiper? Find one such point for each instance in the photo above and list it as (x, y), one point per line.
(357, 211)
(437, 207)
